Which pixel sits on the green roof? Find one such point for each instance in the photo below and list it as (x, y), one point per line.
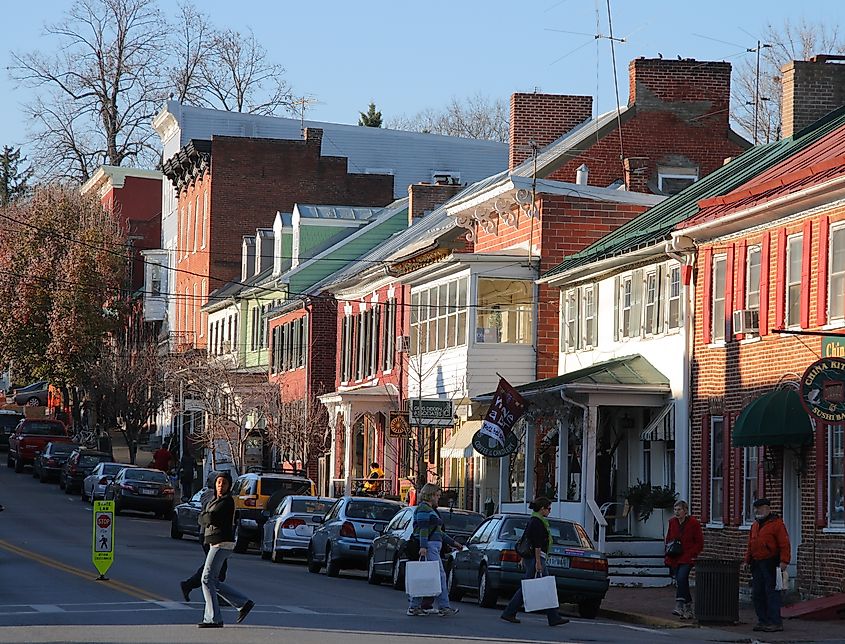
(657, 223)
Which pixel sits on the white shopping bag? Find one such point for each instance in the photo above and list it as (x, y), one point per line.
(422, 578)
(781, 579)
(539, 593)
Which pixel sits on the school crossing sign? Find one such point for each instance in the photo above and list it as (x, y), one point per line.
(103, 543)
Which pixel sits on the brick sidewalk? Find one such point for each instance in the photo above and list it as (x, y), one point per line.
(655, 606)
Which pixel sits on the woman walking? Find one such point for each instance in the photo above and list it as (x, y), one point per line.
(684, 542)
(428, 527)
(218, 519)
(538, 534)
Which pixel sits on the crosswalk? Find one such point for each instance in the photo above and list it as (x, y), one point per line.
(122, 607)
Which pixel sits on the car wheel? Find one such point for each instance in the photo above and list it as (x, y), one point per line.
(241, 542)
(372, 577)
(487, 597)
(397, 578)
(276, 556)
(313, 566)
(332, 567)
(264, 554)
(33, 401)
(589, 608)
(455, 593)
(175, 533)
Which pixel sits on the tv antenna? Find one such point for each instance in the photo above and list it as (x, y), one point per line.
(301, 104)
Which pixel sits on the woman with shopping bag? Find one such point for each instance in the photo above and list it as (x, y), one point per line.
(428, 528)
(538, 538)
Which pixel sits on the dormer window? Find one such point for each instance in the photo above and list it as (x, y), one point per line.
(672, 179)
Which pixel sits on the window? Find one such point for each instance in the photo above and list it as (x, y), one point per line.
(673, 297)
(155, 280)
(836, 286)
(346, 348)
(836, 482)
(255, 333)
(717, 474)
(505, 311)
(671, 180)
(195, 307)
(669, 464)
(752, 279)
(578, 318)
(200, 304)
(197, 219)
(204, 216)
(190, 235)
(652, 307)
(750, 493)
(630, 304)
(388, 334)
(569, 330)
(718, 321)
(794, 250)
(589, 299)
(439, 317)
(646, 462)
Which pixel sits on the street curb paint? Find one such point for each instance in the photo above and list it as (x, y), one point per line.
(644, 620)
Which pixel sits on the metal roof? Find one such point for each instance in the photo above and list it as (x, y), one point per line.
(656, 224)
(348, 213)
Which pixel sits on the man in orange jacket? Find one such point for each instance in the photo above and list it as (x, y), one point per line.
(768, 555)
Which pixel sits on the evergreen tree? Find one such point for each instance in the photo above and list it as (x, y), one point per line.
(371, 118)
(14, 179)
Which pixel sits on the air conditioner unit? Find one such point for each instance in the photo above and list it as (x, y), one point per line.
(746, 321)
(403, 343)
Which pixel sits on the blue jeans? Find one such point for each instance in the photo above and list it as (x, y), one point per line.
(432, 553)
(212, 586)
(681, 573)
(516, 601)
(766, 598)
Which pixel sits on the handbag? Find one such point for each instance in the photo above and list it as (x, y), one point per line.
(675, 548)
(539, 593)
(422, 578)
(523, 548)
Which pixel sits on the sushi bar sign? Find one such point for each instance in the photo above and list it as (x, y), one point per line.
(823, 385)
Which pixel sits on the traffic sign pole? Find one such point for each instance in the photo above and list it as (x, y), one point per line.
(102, 547)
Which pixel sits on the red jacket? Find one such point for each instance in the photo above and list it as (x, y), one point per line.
(691, 537)
(768, 539)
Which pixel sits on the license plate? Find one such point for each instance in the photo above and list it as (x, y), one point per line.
(149, 492)
(558, 562)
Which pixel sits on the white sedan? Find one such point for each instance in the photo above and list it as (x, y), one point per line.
(289, 528)
(94, 485)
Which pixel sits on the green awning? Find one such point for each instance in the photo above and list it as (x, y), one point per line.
(775, 418)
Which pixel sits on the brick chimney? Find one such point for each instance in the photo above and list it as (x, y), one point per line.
(543, 118)
(425, 197)
(314, 136)
(636, 174)
(656, 82)
(811, 89)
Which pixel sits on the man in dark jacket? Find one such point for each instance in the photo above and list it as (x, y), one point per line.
(768, 555)
(195, 581)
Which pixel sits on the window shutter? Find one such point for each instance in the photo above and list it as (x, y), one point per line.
(821, 473)
(780, 277)
(705, 468)
(741, 275)
(761, 472)
(726, 464)
(821, 295)
(806, 259)
(738, 483)
(706, 296)
(617, 293)
(729, 293)
(764, 284)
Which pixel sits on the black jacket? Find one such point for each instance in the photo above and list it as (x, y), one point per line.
(218, 518)
(537, 535)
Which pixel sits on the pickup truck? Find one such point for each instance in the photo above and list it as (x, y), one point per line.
(30, 437)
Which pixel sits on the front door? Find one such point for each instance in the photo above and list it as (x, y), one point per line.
(792, 504)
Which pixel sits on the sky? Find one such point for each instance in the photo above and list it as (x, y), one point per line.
(407, 56)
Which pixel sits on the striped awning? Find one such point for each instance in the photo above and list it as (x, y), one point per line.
(662, 426)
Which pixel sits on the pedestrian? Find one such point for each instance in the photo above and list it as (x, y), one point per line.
(375, 481)
(684, 542)
(162, 459)
(195, 581)
(767, 555)
(218, 519)
(186, 473)
(538, 534)
(428, 528)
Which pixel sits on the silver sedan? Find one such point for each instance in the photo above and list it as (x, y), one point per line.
(94, 485)
(288, 530)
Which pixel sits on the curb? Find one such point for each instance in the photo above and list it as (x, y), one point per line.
(644, 620)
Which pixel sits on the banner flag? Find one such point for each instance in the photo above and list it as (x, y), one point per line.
(506, 408)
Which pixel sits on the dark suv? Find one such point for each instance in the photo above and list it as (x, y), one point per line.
(79, 465)
(8, 421)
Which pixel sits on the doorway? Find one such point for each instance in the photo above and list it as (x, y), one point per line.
(792, 462)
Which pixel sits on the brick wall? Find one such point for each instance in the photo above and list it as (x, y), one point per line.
(543, 118)
(811, 89)
(726, 378)
(654, 82)
(425, 197)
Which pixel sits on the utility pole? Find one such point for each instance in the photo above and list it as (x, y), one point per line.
(757, 98)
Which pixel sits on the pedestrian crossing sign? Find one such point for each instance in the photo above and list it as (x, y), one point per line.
(103, 542)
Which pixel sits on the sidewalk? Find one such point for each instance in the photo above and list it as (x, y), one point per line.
(653, 607)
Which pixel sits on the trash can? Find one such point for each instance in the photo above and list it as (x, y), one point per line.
(717, 591)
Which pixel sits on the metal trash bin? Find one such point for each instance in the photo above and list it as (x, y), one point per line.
(717, 591)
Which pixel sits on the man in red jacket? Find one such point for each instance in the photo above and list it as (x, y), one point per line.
(768, 555)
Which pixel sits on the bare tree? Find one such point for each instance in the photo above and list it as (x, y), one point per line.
(779, 45)
(96, 96)
(192, 43)
(476, 117)
(297, 427)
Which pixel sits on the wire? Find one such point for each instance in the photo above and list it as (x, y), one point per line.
(616, 87)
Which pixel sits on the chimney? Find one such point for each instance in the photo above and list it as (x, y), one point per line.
(247, 257)
(811, 89)
(263, 249)
(543, 118)
(636, 174)
(697, 88)
(314, 136)
(425, 197)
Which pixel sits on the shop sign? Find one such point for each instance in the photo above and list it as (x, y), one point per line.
(492, 448)
(833, 346)
(398, 425)
(823, 390)
(432, 412)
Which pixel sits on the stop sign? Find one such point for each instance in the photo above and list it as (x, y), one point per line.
(103, 521)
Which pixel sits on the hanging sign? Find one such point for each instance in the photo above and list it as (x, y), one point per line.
(398, 424)
(492, 448)
(496, 438)
(823, 390)
(103, 546)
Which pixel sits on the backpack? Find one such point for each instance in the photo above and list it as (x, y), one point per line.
(523, 548)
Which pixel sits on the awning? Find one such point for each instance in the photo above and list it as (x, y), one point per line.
(775, 418)
(662, 428)
(460, 445)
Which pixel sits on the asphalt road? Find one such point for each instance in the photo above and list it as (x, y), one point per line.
(49, 591)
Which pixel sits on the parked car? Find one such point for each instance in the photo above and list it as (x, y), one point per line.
(289, 528)
(94, 485)
(490, 566)
(344, 538)
(80, 464)
(186, 515)
(143, 489)
(386, 559)
(31, 437)
(48, 464)
(8, 421)
(254, 493)
(33, 395)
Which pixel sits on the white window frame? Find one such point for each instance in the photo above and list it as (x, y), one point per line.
(750, 252)
(569, 340)
(834, 277)
(718, 328)
(197, 223)
(626, 293)
(671, 270)
(204, 216)
(714, 421)
(750, 493)
(793, 280)
(654, 313)
(427, 312)
(589, 307)
(675, 173)
(835, 485)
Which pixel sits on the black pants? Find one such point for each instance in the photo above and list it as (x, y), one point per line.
(195, 580)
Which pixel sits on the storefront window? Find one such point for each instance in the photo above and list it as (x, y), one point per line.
(717, 475)
(751, 463)
(516, 470)
(836, 483)
(505, 311)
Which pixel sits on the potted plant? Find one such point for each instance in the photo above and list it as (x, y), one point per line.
(638, 497)
(663, 497)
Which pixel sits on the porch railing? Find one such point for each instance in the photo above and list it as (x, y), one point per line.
(338, 487)
(601, 522)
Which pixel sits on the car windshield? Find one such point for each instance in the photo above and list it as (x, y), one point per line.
(270, 486)
(372, 510)
(563, 532)
(9, 421)
(147, 476)
(91, 460)
(456, 522)
(310, 506)
(44, 429)
(111, 469)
